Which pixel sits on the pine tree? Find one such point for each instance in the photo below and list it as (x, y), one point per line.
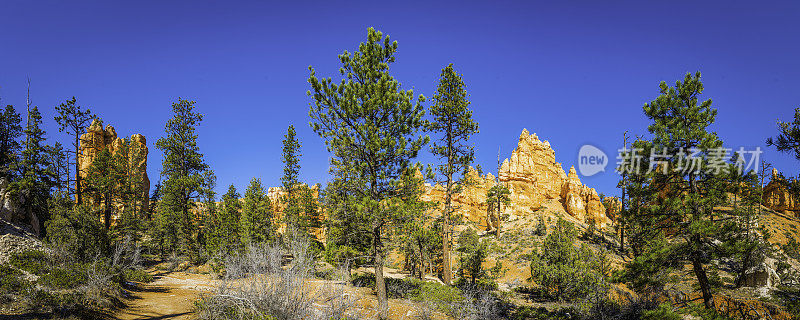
(256, 220)
(788, 139)
(36, 179)
(290, 180)
(74, 121)
(184, 169)
(57, 159)
(101, 184)
(452, 122)
(347, 230)
(565, 271)
(129, 183)
(687, 186)
(496, 197)
(10, 132)
(372, 126)
(229, 215)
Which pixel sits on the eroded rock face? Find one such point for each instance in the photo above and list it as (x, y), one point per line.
(12, 210)
(763, 275)
(777, 196)
(97, 139)
(533, 176)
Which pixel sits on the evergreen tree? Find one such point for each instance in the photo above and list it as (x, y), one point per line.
(10, 132)
(155, 198)
(452, 122)
(472, 255)
(788, 139)
(228, 227)
(347, 230)
(372, 126)
(256, 219)
(36, 179)
(184, 169)
(72, 119)
(565, 271)
(129, 183)
(683, 173)
(290, 180)
(101, 184)
(76, 230)
(496, 197)
(57, 159)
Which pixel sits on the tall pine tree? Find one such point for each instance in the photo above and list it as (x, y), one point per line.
(35, 178)
(183, 168)
(10, 132)
(372, 127)
(682, 226)
(290, 156)
(72, 119)
(452, 125)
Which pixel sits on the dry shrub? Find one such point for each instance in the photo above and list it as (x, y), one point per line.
(274, 281)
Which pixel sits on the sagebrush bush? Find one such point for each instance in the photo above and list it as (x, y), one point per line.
(271, 282)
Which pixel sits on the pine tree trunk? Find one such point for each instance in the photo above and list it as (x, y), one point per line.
(78, 192)
(702, 279)
(380, 284)
(447, 272)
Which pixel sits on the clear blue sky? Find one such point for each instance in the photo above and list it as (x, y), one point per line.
(574, 73)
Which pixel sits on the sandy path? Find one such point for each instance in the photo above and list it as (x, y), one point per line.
(170, 296)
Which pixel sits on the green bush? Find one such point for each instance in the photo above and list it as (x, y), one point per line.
(79, 232)
(541, 313)
(541, 228)
(137, 275)
(10, 281)
(567, 272)
(663, 312)
(363, 280)
(33, 261)
(395, 288)
(60, 278)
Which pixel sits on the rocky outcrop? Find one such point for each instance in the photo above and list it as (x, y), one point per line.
(97, 139)
(777, 195)
(762, 276)
(12, 211)
(16, 239)
(533, 177)
(470, 203)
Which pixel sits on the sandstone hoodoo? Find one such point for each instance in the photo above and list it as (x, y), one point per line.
(97, 139)
(533, 177)
(777, 195)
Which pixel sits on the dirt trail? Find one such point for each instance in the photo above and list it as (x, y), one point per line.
(170, 296)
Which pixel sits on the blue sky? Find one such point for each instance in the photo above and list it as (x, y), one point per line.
(573, 72)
